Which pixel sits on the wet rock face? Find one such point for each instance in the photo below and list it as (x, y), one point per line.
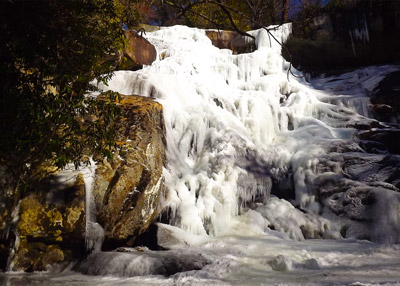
(231, 40)
(138, 51)
(127, 190)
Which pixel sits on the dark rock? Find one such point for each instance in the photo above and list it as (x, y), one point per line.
(385, 98)
(389, 138)
(231, 40)
(149, 238)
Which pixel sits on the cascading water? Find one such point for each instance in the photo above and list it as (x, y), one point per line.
(220, 127)
(236, 124)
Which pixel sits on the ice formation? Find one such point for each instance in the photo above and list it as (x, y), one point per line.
(236, 124)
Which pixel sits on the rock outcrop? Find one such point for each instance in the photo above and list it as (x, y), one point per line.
(127, 190)
(51, 224)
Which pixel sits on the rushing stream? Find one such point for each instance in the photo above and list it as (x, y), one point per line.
(237, 131)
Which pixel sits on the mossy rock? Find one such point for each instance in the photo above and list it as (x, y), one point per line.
(50, 233)
(37, 256)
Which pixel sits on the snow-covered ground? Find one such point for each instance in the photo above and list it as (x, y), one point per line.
(235, 126)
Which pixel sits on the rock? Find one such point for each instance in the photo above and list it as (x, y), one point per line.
(127, 190)
(311, 263)
(37, 256)
(8, 214)
(364, 197)
(385, 99)
(51, 218)
(50, 232)
(231, 40)
(387, 137)
(141, 263)
(281, 263)
(138, 52)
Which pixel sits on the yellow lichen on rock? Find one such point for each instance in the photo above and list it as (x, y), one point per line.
(44, 223)
(30, 222)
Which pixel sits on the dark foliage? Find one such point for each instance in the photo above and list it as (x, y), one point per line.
(50, 52)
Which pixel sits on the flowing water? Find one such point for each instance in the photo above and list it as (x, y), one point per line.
(238, 128)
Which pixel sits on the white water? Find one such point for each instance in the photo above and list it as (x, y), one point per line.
(234, 125)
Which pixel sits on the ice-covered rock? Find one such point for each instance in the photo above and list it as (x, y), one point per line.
(281, 263)
(141, 263)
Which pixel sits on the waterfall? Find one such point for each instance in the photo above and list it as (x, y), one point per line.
(237, 125)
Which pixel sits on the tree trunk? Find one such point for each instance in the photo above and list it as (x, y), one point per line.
(285, 11)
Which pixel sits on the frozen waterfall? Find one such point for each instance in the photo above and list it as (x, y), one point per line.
(257, 165)
(235, 124)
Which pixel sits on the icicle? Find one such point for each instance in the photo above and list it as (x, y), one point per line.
(94, 233)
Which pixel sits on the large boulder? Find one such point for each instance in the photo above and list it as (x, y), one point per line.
(138, 52)
(231, 40)
(127, 190)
